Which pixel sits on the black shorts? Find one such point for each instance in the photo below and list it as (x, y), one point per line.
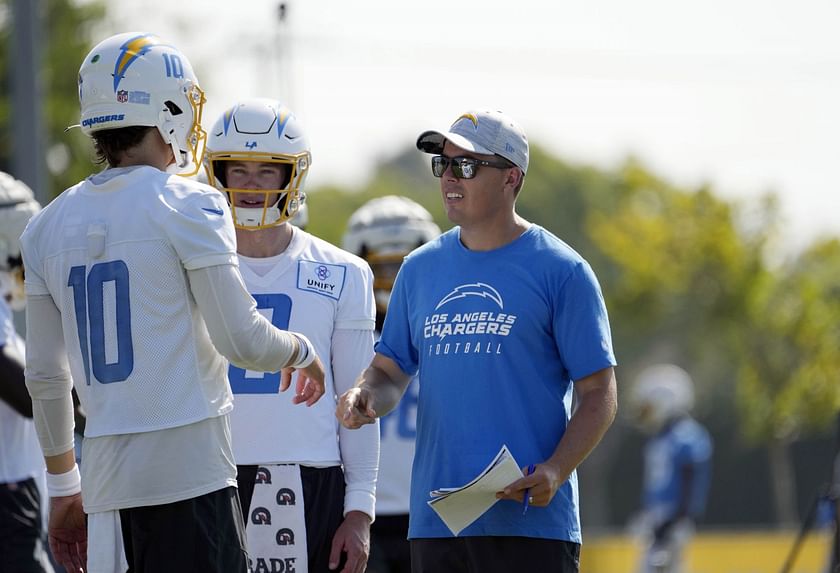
(323, 507)
(389, 548)
(204, 534)
(494, 555)
(22, 540)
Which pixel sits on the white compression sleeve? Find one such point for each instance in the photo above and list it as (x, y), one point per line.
(238, 331)
(352, 351)
(48, 376)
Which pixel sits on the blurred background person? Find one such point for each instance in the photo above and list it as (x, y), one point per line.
(22, 469)
(383, 231)
(677, 465)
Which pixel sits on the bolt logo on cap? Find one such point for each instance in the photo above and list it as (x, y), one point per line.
(469, 116)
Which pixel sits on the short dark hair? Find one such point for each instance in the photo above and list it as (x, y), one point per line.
(110, 144)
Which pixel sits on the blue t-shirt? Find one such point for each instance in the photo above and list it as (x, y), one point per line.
(498, 337)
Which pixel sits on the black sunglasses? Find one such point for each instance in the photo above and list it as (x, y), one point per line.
(463, 167)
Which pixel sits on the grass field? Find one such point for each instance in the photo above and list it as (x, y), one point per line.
(721, 552)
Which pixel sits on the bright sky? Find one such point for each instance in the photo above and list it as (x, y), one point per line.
(743, 94)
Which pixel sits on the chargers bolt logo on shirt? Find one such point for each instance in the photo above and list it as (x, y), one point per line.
(474, 289)
(472, 324)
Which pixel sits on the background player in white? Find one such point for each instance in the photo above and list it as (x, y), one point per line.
(677, 465)
(132, 275)
(258, 153)
(22, 540)
(383, 231)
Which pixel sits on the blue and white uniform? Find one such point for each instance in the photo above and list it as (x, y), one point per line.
(498, 337)
(398, 431)
(682, 443)
(677, 474)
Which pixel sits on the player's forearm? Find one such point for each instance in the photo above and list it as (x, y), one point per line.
(360, 458)
(596, 409)
(237, 330)
(48, 377)
(352, 351)
(387, 388)
(61, 463)
(54, 425)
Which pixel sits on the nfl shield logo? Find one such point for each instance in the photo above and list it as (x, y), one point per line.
(122, 96)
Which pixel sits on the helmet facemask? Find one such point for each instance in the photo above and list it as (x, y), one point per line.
(187, 143)
(255, 209)
(259, 130)
(385, 266)
(12, 288)
(17, 207)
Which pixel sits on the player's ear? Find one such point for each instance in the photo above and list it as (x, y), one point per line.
(513, 177)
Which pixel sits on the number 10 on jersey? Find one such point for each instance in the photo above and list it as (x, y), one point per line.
(89, 305)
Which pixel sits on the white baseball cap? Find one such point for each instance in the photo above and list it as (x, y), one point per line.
(483, 131)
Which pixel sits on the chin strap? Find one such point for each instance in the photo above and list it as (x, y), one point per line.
(180, 156)
(167, 131)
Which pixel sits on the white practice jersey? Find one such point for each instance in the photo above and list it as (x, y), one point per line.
(313, 288)
(113, 253)
(20, 455)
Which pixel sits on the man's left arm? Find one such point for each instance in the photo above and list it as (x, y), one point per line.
(594, 413)
(352, 351)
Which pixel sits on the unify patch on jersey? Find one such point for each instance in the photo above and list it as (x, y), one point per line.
(322, 278)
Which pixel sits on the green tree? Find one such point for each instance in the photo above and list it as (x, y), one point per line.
(678, 265)
(787, 383)
(66, 34)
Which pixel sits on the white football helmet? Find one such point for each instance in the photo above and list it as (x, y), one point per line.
(661, 392)
(264, 131)
(383, 231)
(135, 79)
(17, 206)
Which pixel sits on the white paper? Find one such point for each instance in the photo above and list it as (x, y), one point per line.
(458, 507)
